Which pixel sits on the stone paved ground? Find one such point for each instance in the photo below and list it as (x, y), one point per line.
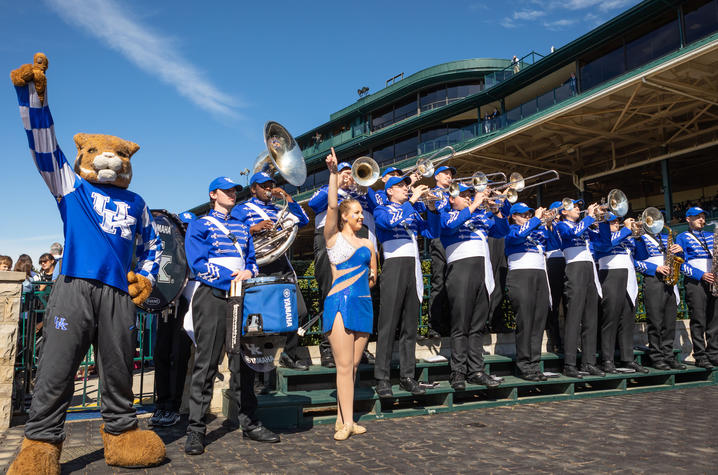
(661, 432)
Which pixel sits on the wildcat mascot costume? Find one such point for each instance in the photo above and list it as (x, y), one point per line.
(93, 301)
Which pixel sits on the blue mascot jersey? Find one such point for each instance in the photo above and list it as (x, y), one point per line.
(102, 223)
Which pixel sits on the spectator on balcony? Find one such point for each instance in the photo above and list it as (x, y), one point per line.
(515, 63)
(47, 268)
(24, 264)
(572, 83)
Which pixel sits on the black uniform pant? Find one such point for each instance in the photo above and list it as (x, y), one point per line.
(469, 303)
(500, 269)
(399, 304)
(661, 312)
(282, 268)
(81, 312)
(528, 293)
(556, 269)
(581, 313)
(617, 315)
(704, 319)
(439, 316)
(241, 389)
(209, 319)
(171, 356)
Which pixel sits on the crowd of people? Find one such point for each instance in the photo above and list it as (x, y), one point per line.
(708, 204)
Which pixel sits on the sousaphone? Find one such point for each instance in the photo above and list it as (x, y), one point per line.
(283, 157)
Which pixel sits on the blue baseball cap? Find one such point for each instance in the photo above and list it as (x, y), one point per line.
(223, 183)
(395, 180)
(390, 170)
(555, 204)
(519, 208)
(463, 188)
(695, 211)
(610, 217)
(260, 177)
(187, 216)
(342, 166)
(444, 168)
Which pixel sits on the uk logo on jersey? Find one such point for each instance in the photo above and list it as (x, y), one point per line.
(112, 220)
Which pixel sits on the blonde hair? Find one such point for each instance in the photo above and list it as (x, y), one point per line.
(344, 207)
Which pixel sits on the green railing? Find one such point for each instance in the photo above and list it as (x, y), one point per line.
(87, 390)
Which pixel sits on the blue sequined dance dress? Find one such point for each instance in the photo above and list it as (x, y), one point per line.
(349, 294)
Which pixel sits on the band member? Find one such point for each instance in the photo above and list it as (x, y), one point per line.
(582, 289)
(379, 196)
(660, 300)
(699, 276)
(322, 268)
(527, 284)
(219, 250)
(556, 270)
(616, 272)
(260, 214)
(469, 281)
(348, 306)
(438, 302)
(398, 224)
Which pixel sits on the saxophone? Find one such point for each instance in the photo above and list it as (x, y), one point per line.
(714, 267)
(674, 262)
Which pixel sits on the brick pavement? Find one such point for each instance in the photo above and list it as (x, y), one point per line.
(659, 432)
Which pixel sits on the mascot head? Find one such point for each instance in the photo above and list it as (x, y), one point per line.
(104, 159)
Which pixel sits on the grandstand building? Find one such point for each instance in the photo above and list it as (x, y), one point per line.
(633, 105)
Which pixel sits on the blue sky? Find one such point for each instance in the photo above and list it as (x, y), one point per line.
(193, 83)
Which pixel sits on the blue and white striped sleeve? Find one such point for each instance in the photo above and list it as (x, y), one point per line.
(49, 159)
(149, 248)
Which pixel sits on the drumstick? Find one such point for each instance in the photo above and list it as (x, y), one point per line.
(301, 331)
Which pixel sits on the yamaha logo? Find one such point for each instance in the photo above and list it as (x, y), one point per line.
(286, 293)
(288, 313)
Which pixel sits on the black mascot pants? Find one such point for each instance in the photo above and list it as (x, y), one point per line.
(661, 312)
(581, 313)
(399, 303)
(469, 303)
(704, 320)
(528, 293)
(81, 312)
(209, 319)
(171, 355)
(617, 315)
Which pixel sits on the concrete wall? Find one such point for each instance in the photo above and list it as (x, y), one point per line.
(10, 293)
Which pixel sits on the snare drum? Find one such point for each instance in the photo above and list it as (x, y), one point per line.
(174, 272)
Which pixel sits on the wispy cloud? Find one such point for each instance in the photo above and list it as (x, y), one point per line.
(112, 24)
(528, 14)
(560, 14)
(559, 24)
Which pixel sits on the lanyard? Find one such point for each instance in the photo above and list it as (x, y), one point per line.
(701, 240)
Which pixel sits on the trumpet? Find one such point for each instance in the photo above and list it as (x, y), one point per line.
(517, 183)
(651, 221)
(365, 172)
(615, 203)
(550, 215)
(425, 166)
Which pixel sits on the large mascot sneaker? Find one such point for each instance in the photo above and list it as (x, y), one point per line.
(133, 449)
(37, 458)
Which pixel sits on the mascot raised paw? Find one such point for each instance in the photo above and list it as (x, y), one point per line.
(94, 299)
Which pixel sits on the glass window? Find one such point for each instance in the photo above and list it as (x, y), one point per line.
(603, 68)
(382, 117)
(432, 98)
(433, 133)
(384, 153)
(545, 100)
(406, 147)
(701, 19)
(459, 91)
(405, 108)
(321, 177)
(655, 43)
